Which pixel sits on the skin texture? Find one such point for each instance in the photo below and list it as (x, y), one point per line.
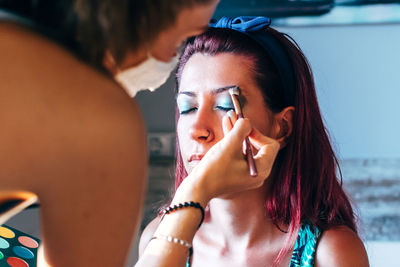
(237, 231)
(340, 246)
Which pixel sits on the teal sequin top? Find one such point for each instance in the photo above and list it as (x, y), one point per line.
(304, 249)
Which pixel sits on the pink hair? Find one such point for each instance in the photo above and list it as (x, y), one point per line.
(304, 180)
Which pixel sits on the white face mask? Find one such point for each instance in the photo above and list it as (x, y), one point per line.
(150, 74)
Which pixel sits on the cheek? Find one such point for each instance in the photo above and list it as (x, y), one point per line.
(262, 120)
(184, 141)
(218, 129)
(182, 132)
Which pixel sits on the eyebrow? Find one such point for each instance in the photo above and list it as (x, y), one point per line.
(213, 91)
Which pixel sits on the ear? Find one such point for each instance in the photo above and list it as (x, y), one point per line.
(284, 123)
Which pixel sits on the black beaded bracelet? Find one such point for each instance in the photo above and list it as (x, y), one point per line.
(184, 205)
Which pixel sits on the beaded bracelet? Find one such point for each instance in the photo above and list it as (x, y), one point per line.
(175, 240)
(184, 205)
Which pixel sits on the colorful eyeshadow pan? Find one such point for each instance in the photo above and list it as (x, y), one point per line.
(23, 252)
(17, 249)
(28, 242)
(5, 232)
(3, 243)
(17, 262)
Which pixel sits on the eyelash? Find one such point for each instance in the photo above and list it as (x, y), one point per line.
(224, 109)
(187, 111)
(193, 109)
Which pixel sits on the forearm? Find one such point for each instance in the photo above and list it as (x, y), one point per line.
(181, 224)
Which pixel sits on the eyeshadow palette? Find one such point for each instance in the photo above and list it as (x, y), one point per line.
(17, 249)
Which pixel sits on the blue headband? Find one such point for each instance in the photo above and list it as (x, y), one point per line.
(253, 27)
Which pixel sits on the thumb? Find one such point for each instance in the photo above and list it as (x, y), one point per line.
(227, 124)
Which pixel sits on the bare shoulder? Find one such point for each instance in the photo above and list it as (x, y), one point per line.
(56, 110)
(75, 138)
(147, 234)
(340, 246)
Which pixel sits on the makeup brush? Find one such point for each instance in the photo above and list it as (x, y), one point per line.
(235, 93)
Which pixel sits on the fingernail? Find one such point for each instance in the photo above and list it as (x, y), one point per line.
(230, 113)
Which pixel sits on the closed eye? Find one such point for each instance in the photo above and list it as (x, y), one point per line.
(187, 111)
(226, 109)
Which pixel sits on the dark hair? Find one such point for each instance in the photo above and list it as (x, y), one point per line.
(304, 184)
(91, 27)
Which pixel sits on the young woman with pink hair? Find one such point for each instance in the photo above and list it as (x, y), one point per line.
(298, 214)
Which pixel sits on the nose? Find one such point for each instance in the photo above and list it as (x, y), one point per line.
(202, 129)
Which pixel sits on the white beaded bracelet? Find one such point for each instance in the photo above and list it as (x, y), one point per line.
(173, 240)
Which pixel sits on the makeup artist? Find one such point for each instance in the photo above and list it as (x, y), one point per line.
(69, 132)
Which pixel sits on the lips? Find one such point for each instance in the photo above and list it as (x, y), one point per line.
(195, 157)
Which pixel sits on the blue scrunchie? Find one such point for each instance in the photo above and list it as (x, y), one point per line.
(243, 23)
(254, 28)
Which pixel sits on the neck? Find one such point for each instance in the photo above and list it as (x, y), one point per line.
(242, 217)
